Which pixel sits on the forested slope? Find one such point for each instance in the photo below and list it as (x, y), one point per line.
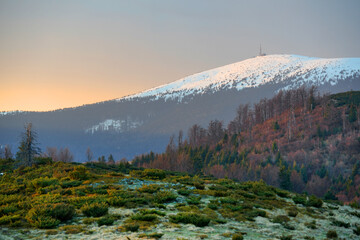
(298, 141)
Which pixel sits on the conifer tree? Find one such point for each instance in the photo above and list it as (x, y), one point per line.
(28, 146)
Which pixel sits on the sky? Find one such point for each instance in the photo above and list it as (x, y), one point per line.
(58, 54)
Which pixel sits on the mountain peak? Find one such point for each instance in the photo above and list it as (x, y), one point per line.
(257, 71)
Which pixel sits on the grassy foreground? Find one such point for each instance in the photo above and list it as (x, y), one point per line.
(75, 201)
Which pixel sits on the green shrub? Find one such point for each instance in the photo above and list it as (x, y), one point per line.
(50, 215)
(44, 182)
(237, 236)
(152, 211)
(79, 173)
(299, 199)
(194, 200)
(8, 220)
(155, 235)
(292, 213)
(339, 223)
(95, 209)
(357, 230)
(63, 212)
(281, 219)
(107, 220)
(40, 217)
(164, 197)
(331, 234)
(70, 184)
(153, 174)
(8, 209)
(314, 202)
(151, 188)
(192, 218)
(116, 201)
(144, 217)
(212, 206)
(199, 186)
(184, 192)
(250, 215)
(311, 225)
(229, 200)
(131, 227)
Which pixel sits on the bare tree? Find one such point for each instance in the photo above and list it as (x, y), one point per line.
(180, 139)
(52, 153)
(7, 152)
(89, 154)
(65, 155)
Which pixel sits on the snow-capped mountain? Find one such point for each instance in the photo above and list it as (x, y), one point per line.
(258, 71)
(142, 122)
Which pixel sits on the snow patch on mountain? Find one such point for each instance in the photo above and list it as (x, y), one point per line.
(253, 72)
(114, 125)
(3, 113)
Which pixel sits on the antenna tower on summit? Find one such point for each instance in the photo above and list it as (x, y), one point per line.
(261, 53)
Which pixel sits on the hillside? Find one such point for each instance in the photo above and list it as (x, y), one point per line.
(143, 122)
(298, 141)
(73, 201)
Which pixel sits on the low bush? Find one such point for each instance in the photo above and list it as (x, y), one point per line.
(314, 202)
(184, 192)
(79, 173)
(292, 212)
(116, 201)
(339, 223)
(155, 235)
(357, 230)
(331, 234)
(194, 200)
(37, 218)
(192, 218)
(237, 236)
(152, 211)
(286, 237)
(164, 197)
(299, 199)
(131, 227)
(95, 209)
(63, 212)
(151, 188)
(144, 217)
(44, 182)
(107, 220)
(70, 184)
(311, 225)
(153, 174)
(281, 219)
(8, 220)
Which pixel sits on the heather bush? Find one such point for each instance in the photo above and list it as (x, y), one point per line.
(106, 220)
(95, 209)
(198, 220)
(164, 197)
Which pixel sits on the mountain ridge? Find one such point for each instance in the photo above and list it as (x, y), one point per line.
(222, 77)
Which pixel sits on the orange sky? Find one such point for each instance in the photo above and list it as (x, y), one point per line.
(57, 54)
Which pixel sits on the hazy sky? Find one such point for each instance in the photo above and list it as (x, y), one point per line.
(56, 54)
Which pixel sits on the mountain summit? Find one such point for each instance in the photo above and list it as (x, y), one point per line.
(255, 72)
(142, 122)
